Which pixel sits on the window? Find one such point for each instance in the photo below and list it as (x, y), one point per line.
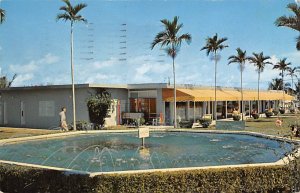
(46, 108)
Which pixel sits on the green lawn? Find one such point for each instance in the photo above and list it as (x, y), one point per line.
(268, 126)
(6, 132)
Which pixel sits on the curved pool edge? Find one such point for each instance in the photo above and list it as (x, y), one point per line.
(284, 161)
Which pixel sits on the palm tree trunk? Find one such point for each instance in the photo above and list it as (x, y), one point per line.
(175, 114)
(282, 89)
(242, 96)
(72, 74)
(292, 83)
(258, 106)
(215, 105)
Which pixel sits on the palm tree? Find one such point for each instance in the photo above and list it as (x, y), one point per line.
(259, 61)
(241, 59)
(171, 40)
(71, 14)
(292, 74)
(213, 46)
(2, 15)
(276, 84)
(292, 22)
(282, 66)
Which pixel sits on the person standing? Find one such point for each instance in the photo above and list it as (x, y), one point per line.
(63, 119)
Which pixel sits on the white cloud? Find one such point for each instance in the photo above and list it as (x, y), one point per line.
(23, 69)
(107, 63)
(21, 79)
(274, 59)
(48, 59)
(138, 69)
(26, 73)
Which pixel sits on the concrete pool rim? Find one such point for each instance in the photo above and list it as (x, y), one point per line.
(280, 162)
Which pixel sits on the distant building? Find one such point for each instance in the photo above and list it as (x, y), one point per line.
(38, 106)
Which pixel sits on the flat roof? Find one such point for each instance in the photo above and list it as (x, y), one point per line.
(141, 86)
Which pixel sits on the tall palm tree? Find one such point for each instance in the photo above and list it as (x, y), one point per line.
(171, 40)
(240, 59)
(259, 61)
(292, 21)
(292, 73)
(2, 15)
(283, 66)
(213, 46)
(70, 13)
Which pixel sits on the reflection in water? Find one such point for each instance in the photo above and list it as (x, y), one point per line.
(122, 151)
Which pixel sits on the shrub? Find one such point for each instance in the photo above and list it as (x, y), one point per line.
(275, 112)
(292, 110)
(205, 122)
(245, 179)
(98, 106)
(142, 121)
(282, 111)
(268, 114)
(236, 117)
(186, 124)
(255, 115)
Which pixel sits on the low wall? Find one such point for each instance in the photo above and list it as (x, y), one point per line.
(251, 179)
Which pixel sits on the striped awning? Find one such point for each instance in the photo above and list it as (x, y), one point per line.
(222, 95)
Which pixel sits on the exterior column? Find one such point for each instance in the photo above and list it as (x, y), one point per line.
(250, 108)
(194, 111)
(204, 108)
(187, 110)
(226, 109)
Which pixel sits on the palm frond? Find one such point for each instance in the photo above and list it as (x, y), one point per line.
(2, 15)
(79, 7)
(259, 61)
(186, 37)
(67, 2)
(63, 16)
(240, 58)
(294, 8)
(214, 44)
(71, 13)
(170, 38)
(172, 51)
(12, 80)
(298, 43)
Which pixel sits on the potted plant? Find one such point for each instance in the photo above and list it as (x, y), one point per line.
(268, 114)
(282, 110)
(275, 112)
(205, 122)
(236, 117)
(255, 115)
(292, 110)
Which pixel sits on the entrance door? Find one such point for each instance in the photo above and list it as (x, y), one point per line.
(22, 113)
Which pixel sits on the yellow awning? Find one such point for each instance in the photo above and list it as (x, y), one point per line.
(222, 95)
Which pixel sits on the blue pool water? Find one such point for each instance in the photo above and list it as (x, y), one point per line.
(105, 152)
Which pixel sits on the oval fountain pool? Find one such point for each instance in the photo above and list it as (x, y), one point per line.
(107, 152)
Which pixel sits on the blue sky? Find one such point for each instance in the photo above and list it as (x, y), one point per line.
(36, 47)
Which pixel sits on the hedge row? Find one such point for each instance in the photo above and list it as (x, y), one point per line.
(251, 179)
